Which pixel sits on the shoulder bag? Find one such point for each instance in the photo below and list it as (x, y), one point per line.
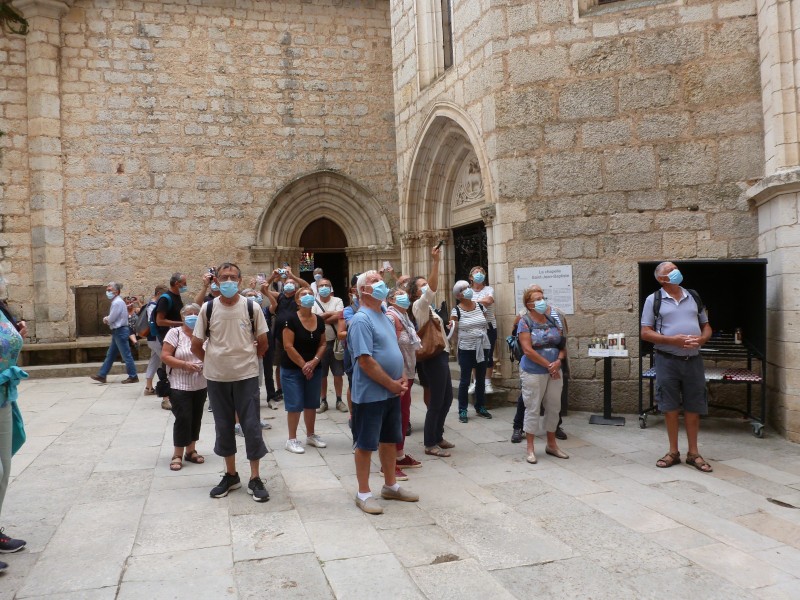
(431, 339)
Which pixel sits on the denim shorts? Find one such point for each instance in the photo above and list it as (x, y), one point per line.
(377, 422)
(681, 383)
(300, 393)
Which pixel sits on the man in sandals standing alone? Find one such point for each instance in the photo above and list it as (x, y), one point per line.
(678, 328)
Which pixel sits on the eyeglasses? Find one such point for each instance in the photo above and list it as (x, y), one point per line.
(227, 278)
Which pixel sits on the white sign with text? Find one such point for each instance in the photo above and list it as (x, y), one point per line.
(555, 281)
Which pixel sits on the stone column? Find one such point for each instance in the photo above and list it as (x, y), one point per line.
(51, 296)
(777, 197)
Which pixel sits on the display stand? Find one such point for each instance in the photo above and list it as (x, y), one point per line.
(606, 418)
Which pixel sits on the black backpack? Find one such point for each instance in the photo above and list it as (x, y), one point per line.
(210, 309)
(657, 308)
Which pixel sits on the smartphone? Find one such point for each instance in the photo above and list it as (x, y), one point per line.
(440, 244)
(261, 277)
(387, 266)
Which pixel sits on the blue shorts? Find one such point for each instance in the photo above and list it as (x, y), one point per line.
(300, 393)
(377, 422)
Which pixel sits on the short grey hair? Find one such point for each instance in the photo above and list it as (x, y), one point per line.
(176, 277)
(187, 307)
(660, 268)
(115, 285)
(460, 286)
(362, 279)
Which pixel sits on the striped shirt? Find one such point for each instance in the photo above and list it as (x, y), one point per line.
(486, 292)
(181, 379)
(472, 327)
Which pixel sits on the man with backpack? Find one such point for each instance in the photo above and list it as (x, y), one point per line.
(166, 315)
(675, 321)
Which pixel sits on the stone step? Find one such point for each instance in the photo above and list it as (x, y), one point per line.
(79, 369)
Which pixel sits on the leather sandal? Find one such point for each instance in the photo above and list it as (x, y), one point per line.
(194, 457)
(668, 460)
(175, 464)
(557, 452)
(698, 462)
(436, 451)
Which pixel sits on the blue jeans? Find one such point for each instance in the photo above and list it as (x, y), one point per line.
(119, 345)
(467, 360)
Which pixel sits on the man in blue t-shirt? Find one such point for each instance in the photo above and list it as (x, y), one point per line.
(378, 383)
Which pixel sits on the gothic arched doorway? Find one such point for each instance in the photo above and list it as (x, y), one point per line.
(325, 242)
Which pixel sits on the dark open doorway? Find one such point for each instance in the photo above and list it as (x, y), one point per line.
(470, 249)
(326, 240)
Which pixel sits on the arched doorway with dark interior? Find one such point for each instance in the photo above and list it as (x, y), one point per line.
(325, 245)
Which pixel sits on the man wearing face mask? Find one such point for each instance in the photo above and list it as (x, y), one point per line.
(230, 365)
(285, 306)
(330, 308)
(117, 320)
(378, 382)
(678, 332)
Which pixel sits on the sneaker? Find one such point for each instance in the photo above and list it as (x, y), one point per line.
(264, 424)
(487, 388)
(316, 441)
(369, 506)
(257, 490)
(408, 462)
(237, 429)
(130, 380)
(98, 378)
(471, 389)
(399, 475)
(388, 493)
(166, 404)
(516, 437)
(482, 412)
(271, 404)
(209, 408)
(341, 406)
(323, 406)
(226, 484)
(560, 435)
(462, 416)
(9, 545)
(294, 446)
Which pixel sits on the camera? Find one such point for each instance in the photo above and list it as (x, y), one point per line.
(212, 271)
(282, 272)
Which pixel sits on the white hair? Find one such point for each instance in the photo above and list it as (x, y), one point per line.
(460, 286)
(362, 280)
(660, 269)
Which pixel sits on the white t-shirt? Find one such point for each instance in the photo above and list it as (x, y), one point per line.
(485, 292)
(231, 351)
(333, 304)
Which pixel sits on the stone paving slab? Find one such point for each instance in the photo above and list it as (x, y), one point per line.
(105, 518)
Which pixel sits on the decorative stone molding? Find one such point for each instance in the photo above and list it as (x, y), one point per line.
(469, 183)
(488, 214)
(53, 9)
(783, 182)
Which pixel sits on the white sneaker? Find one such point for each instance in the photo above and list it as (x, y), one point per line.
(237, 429)
(471, 389)
(316, 441)
(295, 447)
(265, 425)
(488, 388)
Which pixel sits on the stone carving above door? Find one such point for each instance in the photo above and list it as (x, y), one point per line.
(469, 183)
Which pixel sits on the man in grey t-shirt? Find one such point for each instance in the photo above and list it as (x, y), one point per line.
(678, 332)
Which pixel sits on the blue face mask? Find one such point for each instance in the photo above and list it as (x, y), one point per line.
(379, 291)
(317, 277)
(540, 306)
(229, 288)
(190, 320)
(288, 288)
(424, 289)
(675, 277)
(258, 298)
(110, 295)
(402, 300)
(324, 291)
(467, 294)
(214, 287)
(307, 301)
(479, 277)
(183, 289)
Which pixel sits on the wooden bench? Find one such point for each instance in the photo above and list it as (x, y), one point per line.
(76, 349)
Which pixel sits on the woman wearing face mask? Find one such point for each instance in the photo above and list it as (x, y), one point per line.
(303, 344)
(543, 344)
(473, 348)
(483, 294)
(188, 388)
(434, 372)
(409, 343)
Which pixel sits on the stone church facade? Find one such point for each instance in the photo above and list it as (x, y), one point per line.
(147, 137)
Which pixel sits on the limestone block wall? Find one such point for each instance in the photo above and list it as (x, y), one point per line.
(615, 134)
(181, 120)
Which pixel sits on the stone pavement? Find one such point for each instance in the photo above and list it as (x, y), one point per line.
(105, 518)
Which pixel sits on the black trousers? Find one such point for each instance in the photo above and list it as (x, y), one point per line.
(188, 410)
(435, 372)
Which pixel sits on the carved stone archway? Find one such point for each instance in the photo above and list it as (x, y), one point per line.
(323, 194)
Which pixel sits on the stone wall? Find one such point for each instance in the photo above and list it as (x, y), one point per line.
(621, 134)
(182, 120)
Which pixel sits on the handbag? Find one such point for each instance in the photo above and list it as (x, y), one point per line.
(338, 349)
(18, 436)
(431, 338)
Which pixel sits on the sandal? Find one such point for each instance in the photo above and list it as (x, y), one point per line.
(436, 451)
(175, 464)
(194, 457)
(698, 462)
(669, 459)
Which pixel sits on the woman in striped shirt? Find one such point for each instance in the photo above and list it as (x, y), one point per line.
(188, 385)
(473, 348)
